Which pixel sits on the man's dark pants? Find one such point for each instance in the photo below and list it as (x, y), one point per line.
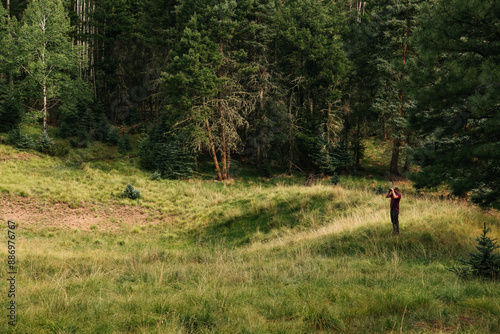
(395, 221)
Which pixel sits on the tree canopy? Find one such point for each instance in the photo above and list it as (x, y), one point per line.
(457, 84)
(295, 85)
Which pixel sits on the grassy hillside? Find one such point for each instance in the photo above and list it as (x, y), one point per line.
(250, 256)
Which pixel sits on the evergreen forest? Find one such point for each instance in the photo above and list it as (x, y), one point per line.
(225, 166)
(290, 85)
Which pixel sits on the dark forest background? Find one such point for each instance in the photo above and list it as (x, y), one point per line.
(295, 85)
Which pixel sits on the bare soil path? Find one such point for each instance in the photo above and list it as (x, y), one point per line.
(39, 213)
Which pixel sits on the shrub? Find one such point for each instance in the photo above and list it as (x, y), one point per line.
(167, 154)
(59, 150)
(156, 176)
(483, 263)
(113, 136)
(131, 193)
(44, 143)
(82, 141)
(335, 179)
(331, 159)
(21, 140)
(124, 144)
(25, 142)
(14, 135)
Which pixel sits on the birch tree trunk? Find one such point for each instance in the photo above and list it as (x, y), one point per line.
(43, 26)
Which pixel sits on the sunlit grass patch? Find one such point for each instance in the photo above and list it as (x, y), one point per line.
(243, 257)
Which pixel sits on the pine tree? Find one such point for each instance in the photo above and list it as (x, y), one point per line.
(456, 86)
(44, 143)
(361, 46)
(131, 192)
(124, 144)
(10, 106)
(10, 113)
(313, 68)
(396, 22)
(341, 157)
(331, 158)
(483, 263)
(203, 81)
(323, 156)
(169, 155)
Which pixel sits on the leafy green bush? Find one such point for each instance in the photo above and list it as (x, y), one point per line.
(131, 193)
(483, 263)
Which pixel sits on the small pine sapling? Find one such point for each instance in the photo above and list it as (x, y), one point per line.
(113, 136)
(44, 143)
(482, 263)
(124, 144)
(156, 176)
(131, 193)
(335, 179)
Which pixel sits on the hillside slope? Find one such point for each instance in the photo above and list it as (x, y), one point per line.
(249, 256)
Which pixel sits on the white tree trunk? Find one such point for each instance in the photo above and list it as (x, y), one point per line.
(45, 74)
(44, 106)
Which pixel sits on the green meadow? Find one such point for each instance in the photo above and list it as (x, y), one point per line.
(253, 255)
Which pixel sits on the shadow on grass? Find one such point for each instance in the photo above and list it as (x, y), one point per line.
(416, 243)
(423, 245)
(262, 218)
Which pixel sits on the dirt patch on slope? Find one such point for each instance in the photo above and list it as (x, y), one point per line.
(39, 213)
(24, 156)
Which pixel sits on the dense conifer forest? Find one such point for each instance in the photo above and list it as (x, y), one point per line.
(295, 85)
(226, 166)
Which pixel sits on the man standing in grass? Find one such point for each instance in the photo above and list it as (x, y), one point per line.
(395, 197)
